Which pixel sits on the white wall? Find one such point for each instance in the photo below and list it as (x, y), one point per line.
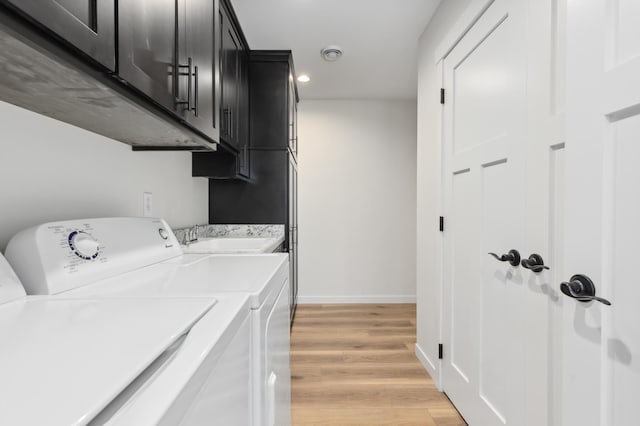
(357, 201)
(429, 239)
(50, 170)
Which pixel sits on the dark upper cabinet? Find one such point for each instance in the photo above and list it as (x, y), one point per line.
(233, 77)
(147, 48)
(197, 94)
(88, 25)
(232, 160)
(167, 51)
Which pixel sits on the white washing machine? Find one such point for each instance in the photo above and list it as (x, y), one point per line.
(147, 251)
(119, 361)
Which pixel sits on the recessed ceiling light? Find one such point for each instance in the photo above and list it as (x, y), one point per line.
(303, 78)
(331, 53)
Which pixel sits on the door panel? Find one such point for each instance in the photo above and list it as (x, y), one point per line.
(622, 344)
(464, 297)
(147, 41)
(501, 290)
(277, 369)
(482, 83)
(601, 361)
(83, 11)
(544, 210)
(88, 25)
(198, 71)
(626, 29)
(548, 389)
(230, 79)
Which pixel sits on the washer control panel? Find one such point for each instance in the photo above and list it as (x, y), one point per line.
(84, 245)
(74, 253)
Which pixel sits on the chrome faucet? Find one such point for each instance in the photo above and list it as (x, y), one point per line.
(192, 235)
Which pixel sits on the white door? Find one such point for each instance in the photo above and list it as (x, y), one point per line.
(601, 367)
(504, 179)
(484, 141)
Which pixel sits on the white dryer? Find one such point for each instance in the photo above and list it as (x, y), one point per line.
(118, 361)
(147, 251)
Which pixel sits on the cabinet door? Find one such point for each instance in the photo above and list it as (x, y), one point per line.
(292, 224)
(293, 110)
(243, 116)
(230, 78)
(89, 25)
(147, 42)
(197, 71)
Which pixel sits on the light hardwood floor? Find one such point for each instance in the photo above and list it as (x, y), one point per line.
(356, 365)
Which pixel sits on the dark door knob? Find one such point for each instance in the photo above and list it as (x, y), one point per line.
(534, 263)
(582, 289)
(513, 257)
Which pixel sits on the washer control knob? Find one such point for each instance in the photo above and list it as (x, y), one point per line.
(84, 245)
(163, 233)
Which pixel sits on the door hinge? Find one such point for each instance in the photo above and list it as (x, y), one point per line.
(442, 96)
(440, 351)
(441, 223)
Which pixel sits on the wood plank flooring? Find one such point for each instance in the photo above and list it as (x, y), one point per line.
(356, 365)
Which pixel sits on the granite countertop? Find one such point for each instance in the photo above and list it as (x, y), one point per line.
(211, 232)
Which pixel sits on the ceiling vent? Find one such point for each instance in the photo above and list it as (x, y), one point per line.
(331, 53)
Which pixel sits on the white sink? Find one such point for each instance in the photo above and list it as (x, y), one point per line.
(234, 245)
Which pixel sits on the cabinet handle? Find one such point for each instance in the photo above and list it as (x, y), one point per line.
(188, 74)
(195, 92)
(224, 122)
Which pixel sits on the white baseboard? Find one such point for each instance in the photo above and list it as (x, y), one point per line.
(355, 299)
(428, 365)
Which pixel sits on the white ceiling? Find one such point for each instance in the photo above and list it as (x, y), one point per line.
(379, 39)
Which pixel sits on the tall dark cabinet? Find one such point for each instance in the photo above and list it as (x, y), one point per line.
(270, 197)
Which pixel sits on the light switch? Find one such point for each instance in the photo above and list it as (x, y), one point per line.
(147, 204)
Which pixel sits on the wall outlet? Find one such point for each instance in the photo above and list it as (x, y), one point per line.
(147, 204)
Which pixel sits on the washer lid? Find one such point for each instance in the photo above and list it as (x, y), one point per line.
(214, 274)
(62, 361)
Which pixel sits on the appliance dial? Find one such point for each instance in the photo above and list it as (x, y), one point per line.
(84, 245)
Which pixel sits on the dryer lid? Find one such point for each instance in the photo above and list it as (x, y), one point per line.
(63, 361)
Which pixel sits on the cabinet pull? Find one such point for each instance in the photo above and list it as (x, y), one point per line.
(225, 122)
(188, 66)
(195, 93)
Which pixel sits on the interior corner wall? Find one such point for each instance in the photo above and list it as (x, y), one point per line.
(429, 155)
(50, 170)
(356, 198)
